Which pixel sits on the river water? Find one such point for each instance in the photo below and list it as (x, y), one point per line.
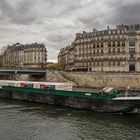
(31, 121)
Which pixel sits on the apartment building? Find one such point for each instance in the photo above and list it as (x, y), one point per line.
(111, 50)
(25, 56)
(35, 55)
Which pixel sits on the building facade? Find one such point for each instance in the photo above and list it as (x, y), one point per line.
(107, 50)
(8, 57)
(35, 55)
(25, 56)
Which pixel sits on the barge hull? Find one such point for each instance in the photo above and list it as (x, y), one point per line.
(97, 105)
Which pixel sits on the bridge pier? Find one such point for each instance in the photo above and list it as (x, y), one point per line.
(37, 77)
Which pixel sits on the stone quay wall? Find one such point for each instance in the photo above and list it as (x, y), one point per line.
(100, 80)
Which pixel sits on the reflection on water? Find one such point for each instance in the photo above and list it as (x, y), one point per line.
(31, 121)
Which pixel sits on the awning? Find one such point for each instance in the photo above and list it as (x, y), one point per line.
(79, 68)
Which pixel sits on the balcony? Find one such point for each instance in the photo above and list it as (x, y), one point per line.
(132, 57)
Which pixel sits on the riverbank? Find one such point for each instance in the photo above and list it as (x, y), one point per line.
(96, 80)
(100, 80)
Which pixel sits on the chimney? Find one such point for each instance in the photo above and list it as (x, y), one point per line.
(84, 32)
(78, 35)
(107, 27)
(94, 30)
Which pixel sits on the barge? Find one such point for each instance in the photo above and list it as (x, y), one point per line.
(107, 100)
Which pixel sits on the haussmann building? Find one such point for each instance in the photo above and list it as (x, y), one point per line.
(32, 55)
(109, 50)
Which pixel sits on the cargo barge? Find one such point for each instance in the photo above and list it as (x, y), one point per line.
(108, 100)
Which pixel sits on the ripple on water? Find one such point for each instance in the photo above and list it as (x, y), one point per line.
(23, 121)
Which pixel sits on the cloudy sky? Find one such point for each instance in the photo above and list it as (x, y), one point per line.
(55, 22)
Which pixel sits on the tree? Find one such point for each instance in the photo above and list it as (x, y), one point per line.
(54, 66)
(1, 65)
(1, 61)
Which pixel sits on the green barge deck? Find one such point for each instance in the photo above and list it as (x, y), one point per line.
(89, 95)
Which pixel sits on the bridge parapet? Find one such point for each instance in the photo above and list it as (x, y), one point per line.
(23, 71)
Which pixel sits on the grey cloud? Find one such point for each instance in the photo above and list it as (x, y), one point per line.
(57, 8)
(90, 22)
(60, 40)
(21, 14)
(56, 38)
(57, 21)
(128, 14)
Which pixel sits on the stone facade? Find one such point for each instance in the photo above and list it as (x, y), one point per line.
(107, 50)
(35, 55)
(29, 56)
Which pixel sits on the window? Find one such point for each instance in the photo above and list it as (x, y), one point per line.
(132, 43)
(131, 50)
(113, 49)
(102, 44)
(118, 49)
(113, 62)
(113, 44)
(109, 50)
(132, 67)
(114, 31)
(118, 37)
(132, 56)
(109, 32)
(132, 34)
(118, 62)
(118, 31)
(118, 43)
(123, 50)
(109, 44)
(123, 43)
(98, 33)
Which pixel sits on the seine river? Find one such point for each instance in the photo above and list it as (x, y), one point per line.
(31, 121)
